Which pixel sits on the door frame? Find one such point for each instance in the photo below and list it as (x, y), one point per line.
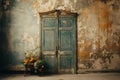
(66, 13)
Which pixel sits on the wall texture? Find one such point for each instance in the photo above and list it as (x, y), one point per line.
(98, 29)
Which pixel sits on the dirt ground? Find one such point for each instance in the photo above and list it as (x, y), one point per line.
(88, 76)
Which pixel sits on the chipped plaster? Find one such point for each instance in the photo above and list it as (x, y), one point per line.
(97, 29)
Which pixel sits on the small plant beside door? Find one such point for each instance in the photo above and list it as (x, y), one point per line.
(33, 63)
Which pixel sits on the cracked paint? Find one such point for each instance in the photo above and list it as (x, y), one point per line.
(98, 29)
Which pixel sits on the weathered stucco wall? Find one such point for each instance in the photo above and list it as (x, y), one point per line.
(98, 36)
(97, 30)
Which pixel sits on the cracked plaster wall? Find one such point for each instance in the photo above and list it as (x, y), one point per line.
(98, 30)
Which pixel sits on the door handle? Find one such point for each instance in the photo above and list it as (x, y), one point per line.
(56, 51)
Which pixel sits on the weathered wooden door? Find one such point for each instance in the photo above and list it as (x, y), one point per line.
(59, 42)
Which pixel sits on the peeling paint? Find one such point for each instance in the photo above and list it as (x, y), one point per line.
(101, 39)
(103, 17)
(98, 29)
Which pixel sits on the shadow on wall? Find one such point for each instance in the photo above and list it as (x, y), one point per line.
(19, 31)
(6, 56)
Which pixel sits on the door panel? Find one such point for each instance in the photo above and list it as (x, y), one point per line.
(51, 63)
(49, 22)
(65, 62)
(67, 38)
(65, 22)
(49, 43)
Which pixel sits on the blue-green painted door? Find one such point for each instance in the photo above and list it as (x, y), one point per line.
(59, 43)
(67, 44)
(49, 42)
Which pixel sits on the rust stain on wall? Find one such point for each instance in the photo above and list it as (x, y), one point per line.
(84, 55)
(103, 17)
(85, 13)
(84, 50)
(106, 38)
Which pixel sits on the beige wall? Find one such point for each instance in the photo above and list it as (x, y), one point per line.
(98, 29)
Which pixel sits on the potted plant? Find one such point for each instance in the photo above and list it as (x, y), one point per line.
(33, 63)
